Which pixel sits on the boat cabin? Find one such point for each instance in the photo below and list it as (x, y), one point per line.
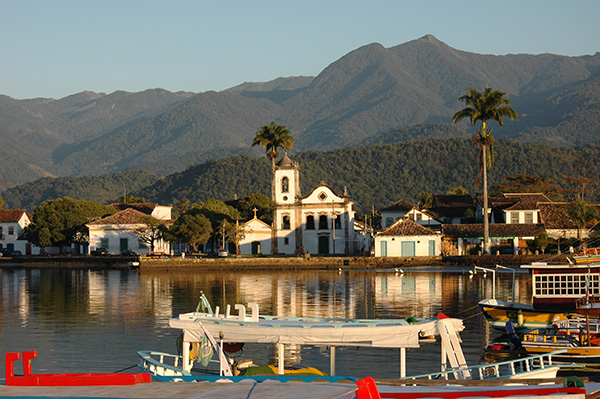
(558, 287)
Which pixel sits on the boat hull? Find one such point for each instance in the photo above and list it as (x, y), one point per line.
(524, 317)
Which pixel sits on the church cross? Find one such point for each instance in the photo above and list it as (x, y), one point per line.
(254, 210)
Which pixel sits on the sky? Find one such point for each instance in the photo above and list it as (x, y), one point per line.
(55, 48)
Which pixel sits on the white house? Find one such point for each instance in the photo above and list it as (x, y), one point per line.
(117, 232)
(407, 239)
(322, 222)
(12, 224)
(513, 208)
(257, 237)
(405, 210)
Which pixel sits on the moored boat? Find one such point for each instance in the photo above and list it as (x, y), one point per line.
(556, 288)
(523, 316)
(391, 333)
(587, 255)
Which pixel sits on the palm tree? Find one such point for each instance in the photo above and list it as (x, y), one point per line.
(491, 105)
(273, 137)
(582, 214)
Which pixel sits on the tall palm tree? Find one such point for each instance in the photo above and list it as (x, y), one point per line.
(273, 137)
(491, 105)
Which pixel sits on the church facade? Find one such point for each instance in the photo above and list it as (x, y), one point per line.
(321, 222)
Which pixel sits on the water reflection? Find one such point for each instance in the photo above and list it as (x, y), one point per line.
(96, 321)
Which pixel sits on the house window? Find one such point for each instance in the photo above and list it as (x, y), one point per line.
(310, 222)
(514, 217)
(388, 221)
(529, 217)
(323, 225)
(285, 185)
(1, 232)
(11, 230)
(286, 223)
(286, 241)
(104, 243)
(338, 222)
(419, 216)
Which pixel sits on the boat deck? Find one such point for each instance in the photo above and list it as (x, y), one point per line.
(272, 390)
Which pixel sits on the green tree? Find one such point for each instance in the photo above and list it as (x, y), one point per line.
(181, 207)
(426, 200)
(216, 211)
(191, 228)
(247, 205)
(273, 137)
(153, 231)
(61, 222)
(130, 199)
(458, 190)
(232, 232)
(528, 184)
(579, 186)
(539, 243)
(582, 214)
(491, 105)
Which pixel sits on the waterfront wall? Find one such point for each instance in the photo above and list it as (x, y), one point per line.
(273, 263)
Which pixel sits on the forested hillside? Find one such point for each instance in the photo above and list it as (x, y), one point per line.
(102, 189)
(375, 175)
(382, 174)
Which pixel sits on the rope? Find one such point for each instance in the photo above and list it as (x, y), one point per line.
(126, 368)
(468, 309)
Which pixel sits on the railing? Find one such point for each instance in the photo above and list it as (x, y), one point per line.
(506, 369)
(158, 366)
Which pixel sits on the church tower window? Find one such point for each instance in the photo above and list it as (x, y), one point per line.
(285, 185)
(286, 223)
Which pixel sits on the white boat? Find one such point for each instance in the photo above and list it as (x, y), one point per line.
(242, 327)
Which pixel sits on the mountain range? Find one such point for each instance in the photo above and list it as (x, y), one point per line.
(372, 95)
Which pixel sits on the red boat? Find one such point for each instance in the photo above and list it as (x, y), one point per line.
(58, 379)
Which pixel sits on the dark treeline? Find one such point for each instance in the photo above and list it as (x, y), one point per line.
(374, 176)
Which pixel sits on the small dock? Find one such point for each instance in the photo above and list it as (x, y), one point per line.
(184, 390)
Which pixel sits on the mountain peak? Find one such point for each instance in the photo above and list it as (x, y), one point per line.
(429, 38)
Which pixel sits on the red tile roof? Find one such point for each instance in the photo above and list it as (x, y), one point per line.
(146, 208)
(449, 206)
(399, 206)
(554, 214)
(127, 216)
(11, 215)
(496, 230)
(406, 227)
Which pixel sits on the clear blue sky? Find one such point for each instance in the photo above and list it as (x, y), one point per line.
(54, 48)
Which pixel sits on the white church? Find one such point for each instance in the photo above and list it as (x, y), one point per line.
(321, 223)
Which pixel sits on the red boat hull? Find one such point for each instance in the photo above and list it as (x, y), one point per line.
(60, 379)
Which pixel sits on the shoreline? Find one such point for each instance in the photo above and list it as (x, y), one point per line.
(270, 263)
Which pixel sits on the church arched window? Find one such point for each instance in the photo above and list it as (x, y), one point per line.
(323, 225)
(310, 222)
(286, 223)
(285, 185)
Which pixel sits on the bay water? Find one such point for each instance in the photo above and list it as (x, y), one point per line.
(82, 320)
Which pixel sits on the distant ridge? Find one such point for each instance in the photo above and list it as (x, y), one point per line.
(361, 98)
